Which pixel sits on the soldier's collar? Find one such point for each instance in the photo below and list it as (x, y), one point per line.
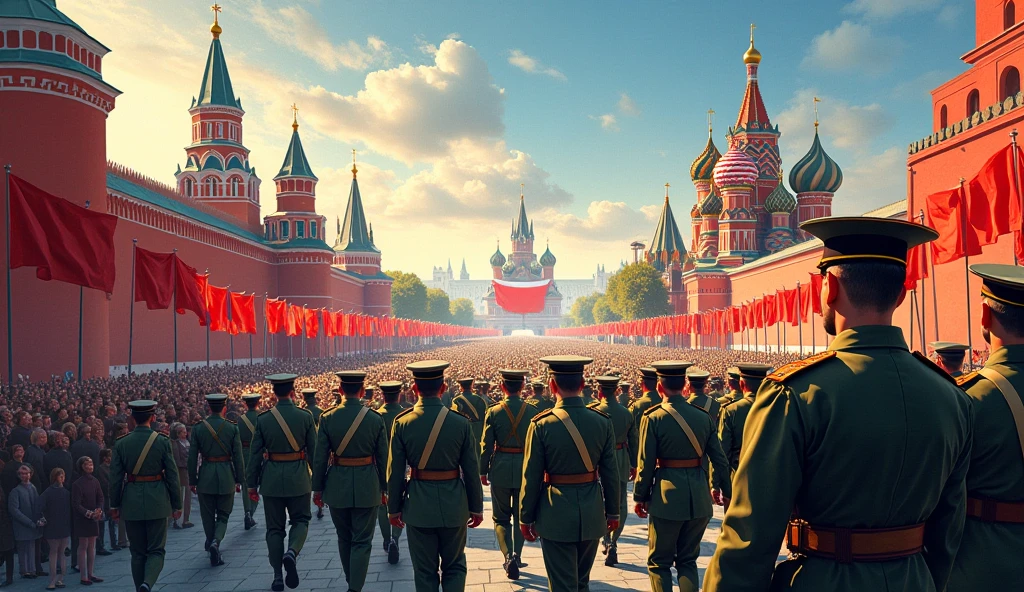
(1008, 354)
(285, 401)
(869, 336)
(430, 402)
(570, 402)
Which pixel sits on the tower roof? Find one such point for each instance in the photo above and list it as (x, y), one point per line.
(548, 258)
(780, 200)
(522, 229)
(752, 110)
(41, 10)
(497, 259)
(668, 243)
(735, 168)
(295, 163)
(816, 172)
(704, 164)
(216, 88)
(354, 235)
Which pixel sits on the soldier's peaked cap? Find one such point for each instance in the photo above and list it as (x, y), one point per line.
(428, 369)
(649, 373)
(733, 372)
(466, 382)
(351, 376)
(252, 397)
(948, 347)
(671, 367)
(308, 392)
(507, 374)
(754, 370)
(1002, 283)
(566, 364)
(696, 374)
(390, 387)
(608, 382)
(216, 398)
(281, 378)
(142, 406)
(866, 239)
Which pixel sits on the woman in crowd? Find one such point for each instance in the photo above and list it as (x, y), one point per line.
(87, 510)
(179, 446)
(57, 530)
(26, 510)
(6, 540)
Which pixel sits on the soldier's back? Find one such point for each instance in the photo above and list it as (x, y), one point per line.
(679, 493)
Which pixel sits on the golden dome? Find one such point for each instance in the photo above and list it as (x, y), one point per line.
(215, 29)
(752, 56)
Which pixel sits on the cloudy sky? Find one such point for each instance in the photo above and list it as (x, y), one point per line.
(593, 105)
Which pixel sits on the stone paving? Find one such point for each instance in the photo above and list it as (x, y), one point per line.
(187, 567)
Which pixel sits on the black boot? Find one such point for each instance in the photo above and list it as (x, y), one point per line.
(143, 587)
(278, 585)
(613, 556)
(249, 522)
(291, 578)
(215, 558)
(320, 513)
(393, 551)
(511, 567)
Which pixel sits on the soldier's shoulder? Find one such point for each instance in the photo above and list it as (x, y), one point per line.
(933, 366)
(404, 413)
(593, 407)
(968, 380)
(458, 413)
(542, 415)
(122, 437)
(653, 410)
(788, 371)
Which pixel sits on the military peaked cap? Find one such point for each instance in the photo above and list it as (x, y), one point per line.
(1002, 283)
(350, 376)
(566, 364)
(671, 367)
(428, 369)
(753, 370)
(866, 239)
(390, 387)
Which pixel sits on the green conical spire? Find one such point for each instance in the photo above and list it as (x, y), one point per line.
(295, 163)
(354, 235)
(668, 244)
(522, 229)
(216, 88)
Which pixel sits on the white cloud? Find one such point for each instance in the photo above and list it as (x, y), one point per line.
(627, 106)
(533, 66)
(852, 46)
(607, 220)
(871, 181)
(281, 25)
(886, 9)
(949, 15)
(608, 121)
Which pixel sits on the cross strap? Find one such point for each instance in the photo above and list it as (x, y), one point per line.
(515, 421)
(434, 432)
(1011, 396)
(472, 407)
(576, 437)
(284, 427)
(248, 424)
(685, 427)
(351, 430)
(216, 438)
(145, 453)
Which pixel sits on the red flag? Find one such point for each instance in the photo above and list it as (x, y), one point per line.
(736, 319)
(275, 311)
(520, 297)
(217, 304)
(154, 278)
(190, 290)
(295, 321)
(917, 266)
(791, 303)
(328, 324)
(62, 240)
(816, 281)
(993, 202)
(759, 313)
(945, 213)
(312, 326)
(771, 310)
(243, 313)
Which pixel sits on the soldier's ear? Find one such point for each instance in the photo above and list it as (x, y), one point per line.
(903, 295)
(830, 288)
(986, 315)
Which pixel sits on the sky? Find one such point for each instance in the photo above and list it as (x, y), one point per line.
(591, 105)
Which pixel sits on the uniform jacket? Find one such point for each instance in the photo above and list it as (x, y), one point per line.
(730, 430)
(627, 435)
(709, 404)
(864, 435)
(215, 478)
(144, 500)
(569, 513)
(26, 508)
(282, 479)
(639, 406)
(351, 487)
(462, 403)
(505, 469)
(244, 433)
(541, 404)
(388, 412)
(316, 412)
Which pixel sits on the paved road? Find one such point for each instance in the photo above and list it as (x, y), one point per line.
(187, 568)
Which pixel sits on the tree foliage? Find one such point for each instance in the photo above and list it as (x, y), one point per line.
(408, 296)
(438, 306)
(462, 312)
(637, 292)
(603, 312)
(582, 311)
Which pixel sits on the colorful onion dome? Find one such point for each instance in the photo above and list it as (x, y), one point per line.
(711, 206)
(780, 200)
(816, 172)
(509, 267)
(547, 259)
(704, 165)
(735, 169)
(695, 211)
(497, 259)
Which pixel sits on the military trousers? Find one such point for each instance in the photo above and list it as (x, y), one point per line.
(505, 513)
(281, 511)
(355, 538)
(146, 541)
(568, 564)
(214, 510)
(386, 530)
(438, 558)
(612, 539)
(674, 542)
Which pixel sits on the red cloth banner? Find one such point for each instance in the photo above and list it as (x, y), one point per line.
(312, 324)
(190, 290)
(816, 281)
(917, 266)
(992, 198)
(520, 297)
(945, 213)
(217, 304)
(329, 324)
(154, 278)
(275, 312)
(771, 310)
(243, 313)
(790, 305)
(62, 240)
(295, 321)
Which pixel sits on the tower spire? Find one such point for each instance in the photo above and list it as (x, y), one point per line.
(666, 192)
(711, 120)
(816, 101)
(295, 118)
(354, 169)
(215, 29)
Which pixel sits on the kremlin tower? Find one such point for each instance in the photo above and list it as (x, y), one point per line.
(668, 254)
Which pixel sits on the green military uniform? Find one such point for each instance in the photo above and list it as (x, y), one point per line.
(309, 396)
(217, 440)
(501, 460)
(862, 436)
(588, 394)
(145, 494)
(539, 400)
(625, 399)
(706, 402)
(950, 356)
(473, 406)
(732, 392)
(645, 401)
(626, 444)
(284, 476)
(246, 429)
(388, 412)
(435, 504)
(675, 440)
(348, 473)
(734, 415)
(989, 555)
(570, 483)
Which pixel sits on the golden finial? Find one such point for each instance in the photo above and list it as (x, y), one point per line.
(816, 101)
(711, 119)
(666, 192)
(522, 189)
(354, 169)
(215, 29)
(295, 117)
(752, 56)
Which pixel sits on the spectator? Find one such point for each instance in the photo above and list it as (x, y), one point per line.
(9, 476)
(26, 510)
(87, 511)
(35, 456)
(21, 430)
(57, 513)
(103, 475)
(180, 446)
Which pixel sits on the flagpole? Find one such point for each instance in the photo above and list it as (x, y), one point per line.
(967, 278)
(174, 314)
(800, 317)
(1016, 178)
(131, 307)
(930, 260)
(207, 320)
(265, 331)
(913, 301)
(10, 321)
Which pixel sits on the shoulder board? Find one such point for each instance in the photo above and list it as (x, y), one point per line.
(598, 411)
(164, 437)
(544, 413)
(652, 409)
(404, 412)
(264, 412)
(122, 436)
(306, 410)
(494, 404)
(727, 403)
(593, 405)
(933, 366)
(457, 412)
(701, 409)
(793, 368)
(234, 423)
(965, 378)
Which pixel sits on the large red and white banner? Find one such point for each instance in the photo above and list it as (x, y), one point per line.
(521, 297)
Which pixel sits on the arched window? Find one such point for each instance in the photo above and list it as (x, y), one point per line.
(1010, 84)
(312, 229)
(235, 186)
(284, 229)
(212, 186)
(300, 229)
(943, 118)
(973, 103)
(190, 187)
(1009, 15)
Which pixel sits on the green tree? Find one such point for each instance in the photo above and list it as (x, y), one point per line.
(462, 312)
(438, 306)
(638, 292)
(582, 311)
(603, 312)
(408, 296)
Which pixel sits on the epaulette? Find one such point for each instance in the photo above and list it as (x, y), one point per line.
(702, 410)
(965, 378)
(793, 368)
(494, 404)
(306, 410)
(403, 412)
(933, 366)
(121, 436)
(592, 405)
(264, 412)
(457, 412)
(598, 411)
(234, 423)
(544, 413)
(652, 409)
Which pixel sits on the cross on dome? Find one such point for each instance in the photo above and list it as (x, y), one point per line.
(215, 29)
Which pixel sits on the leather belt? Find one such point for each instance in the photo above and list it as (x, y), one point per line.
(988, 510)
(570, 479)
(144, 478)
(620, 445)
(351, 461)
(215, 459)
(425, 475)
(849, 545)
(508, 450)
(286, 456)
(678, 463)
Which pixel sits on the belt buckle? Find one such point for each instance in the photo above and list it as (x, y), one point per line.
(800, 546)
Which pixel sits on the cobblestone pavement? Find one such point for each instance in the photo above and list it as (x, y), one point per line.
(187, 568)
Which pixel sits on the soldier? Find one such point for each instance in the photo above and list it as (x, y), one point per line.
(569, 448)
(539, 401)
(246, 429)
(309, 396)
(436, 504)
(671, 486)
(473, 406)
(348, 474)
(903, 490)
(625, 455)
(733, 392)
(697, 380)
(391, 390)
(588, 392)
(501, 465)
(989, 555)
(287, 434)
(626, 399)
(734, 416)
(649, 393)
(221, 475)
(144, 490)
(950, 356)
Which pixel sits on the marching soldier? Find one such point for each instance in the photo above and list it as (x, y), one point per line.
(697, 380)
(391, 390)
(569, 450)
(246, 430)
(443, 496)
(144, 490)
(989, 557)
(309, 396)
(221, 475)
(676, 440)
(950, 356)
(904, 489)
(501, 465)
(539, 401)
(288, 437)
(649, 393)
(625, 446)
(348, 474)
(733, 392)
(474, 406)
(626, 399)
(588, 392)
(734, 417)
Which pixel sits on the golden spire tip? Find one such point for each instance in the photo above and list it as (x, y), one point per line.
(816, 101)
(295, 117)
(354, 169)
(215, 29)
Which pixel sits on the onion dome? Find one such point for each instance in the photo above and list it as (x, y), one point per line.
(752, 56)
(780, 200)
(497, 259)
(695, 211)
(711, 205)
(735, 168)
(547, 259)
(509, 267)
(704, 165)
(816, 172)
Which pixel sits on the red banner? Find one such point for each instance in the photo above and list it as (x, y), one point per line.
(243, 313)
(312, 326)
(275, 311)
(189, 290)
(217, 305)
(154, 278)
(295, 322)
(520, 297)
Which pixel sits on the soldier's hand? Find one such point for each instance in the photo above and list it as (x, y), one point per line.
(716, 496)
(640, 509)
(613, 524)
(176, 514)
(632, 473)
(396, 520)
(383, 499)
(475, 520)
(115, 514)
(318, 499)
(529, 532)
(254, 496)
(483, 480)
(193, 489)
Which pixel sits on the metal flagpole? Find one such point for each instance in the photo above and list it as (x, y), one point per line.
(81, 305)
(913, 301)
(1016, 177)
(131, 308)
(967, 278)
(935, 293)
(265, 294)
(800, 317)
(174, 315)
(10, 321)
(302, 335)
(231, 335)
(207, 321)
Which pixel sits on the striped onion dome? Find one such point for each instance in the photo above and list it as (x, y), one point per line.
(816, 172)
(735, 168)
(711, 206)
(497, 259)
(547, 259)
(509, 267)
(780, 200)
(704, 165)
